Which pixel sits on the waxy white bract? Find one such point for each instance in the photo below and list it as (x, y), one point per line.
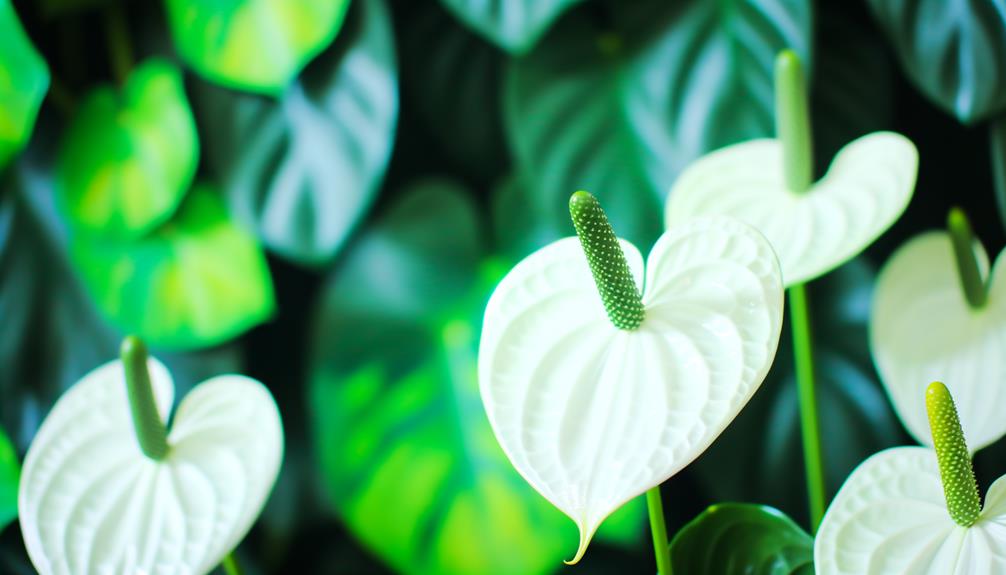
(922, 330)
(90, 502)
(890, 518)
(592, 415)
(866, 188)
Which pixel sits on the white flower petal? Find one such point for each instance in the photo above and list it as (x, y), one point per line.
(922, 330)
(866, 188)
(889, 517)
(91, 502)
(593, 416)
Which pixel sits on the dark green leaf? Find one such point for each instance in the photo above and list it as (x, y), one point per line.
(257, 45)
(406, 452)
(954, 52)
(10, 472)
(618, 109)
(128, 159)
(301, 171)
(25, 79)
(732, 538)
(514, 25)
(196, 281)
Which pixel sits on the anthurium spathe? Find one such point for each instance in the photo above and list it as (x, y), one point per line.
(813, 226)
(929, 321)
(106, 489)
(596, 400)
(916, 510)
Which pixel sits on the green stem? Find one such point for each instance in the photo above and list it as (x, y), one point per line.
(119, 47)
(659, 530)
(803, 356)
(956, 473)
(608, 265)
(150, 431)
(963, 240)
(792, 122)
(230, 565)
(997, 147)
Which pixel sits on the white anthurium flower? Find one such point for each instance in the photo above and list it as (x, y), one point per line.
(105, 490)
(596, 400)
(916, 510)
(813, 226)
(929, 321)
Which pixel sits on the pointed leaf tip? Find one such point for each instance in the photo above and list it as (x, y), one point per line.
(956, 472)
(618, 290)
(585, 537)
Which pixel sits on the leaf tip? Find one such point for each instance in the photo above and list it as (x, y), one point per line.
(586, 534)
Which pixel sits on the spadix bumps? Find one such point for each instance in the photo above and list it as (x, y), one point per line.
(592, 414)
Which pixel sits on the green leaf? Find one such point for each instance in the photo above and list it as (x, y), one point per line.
(619, 109)
(742, 538)
(196, 281)
(256, 45)
(513, 25)
(10, 472)
(127, 159)
(301, 172)
(24, 80)
(954, 52)
(857, 422)
(404, 446)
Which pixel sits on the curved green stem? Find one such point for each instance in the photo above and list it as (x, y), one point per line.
(150, 431)
(956, 471)
(658, 528)
(608, 265)
(119, 47)
(963, 240)
(792, 122)
(230, 565)
(803, 356)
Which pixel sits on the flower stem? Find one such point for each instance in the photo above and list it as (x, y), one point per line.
(119, 47)
(997, 148)
(803, 357)
(150, 431)
(792, 122)
(659, 530)
(230, 565)
(963, 240)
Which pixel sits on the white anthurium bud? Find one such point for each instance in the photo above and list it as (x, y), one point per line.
(92, 501)
(923, 328)
(813, 231)
(916, 510)
(593, 415)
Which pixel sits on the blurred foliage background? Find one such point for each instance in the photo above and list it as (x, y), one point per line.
(323, 193)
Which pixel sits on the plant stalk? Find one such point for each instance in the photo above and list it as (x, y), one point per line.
(659, 530)
(230, 565)
(803, 358)
(150, 430)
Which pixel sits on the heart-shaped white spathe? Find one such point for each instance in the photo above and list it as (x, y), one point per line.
(890, 518)
(591, 415)
(91, 503)
(867, 187)
(922, 330)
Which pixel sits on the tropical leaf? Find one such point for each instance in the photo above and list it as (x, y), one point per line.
(406, 452)
(731, 538)
(25, 80)
(10, 472)
(256, 45)
(513, 25)
(619, 110)
(302, 170)
(127, 159)
(954, 52)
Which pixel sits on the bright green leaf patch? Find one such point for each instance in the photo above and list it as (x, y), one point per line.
(514, 25)
(196, 281)
(301, 171)
(10, 471)
(256, 45)
(734, 538)
(406, 452)
(127, 159)
(24, 80)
